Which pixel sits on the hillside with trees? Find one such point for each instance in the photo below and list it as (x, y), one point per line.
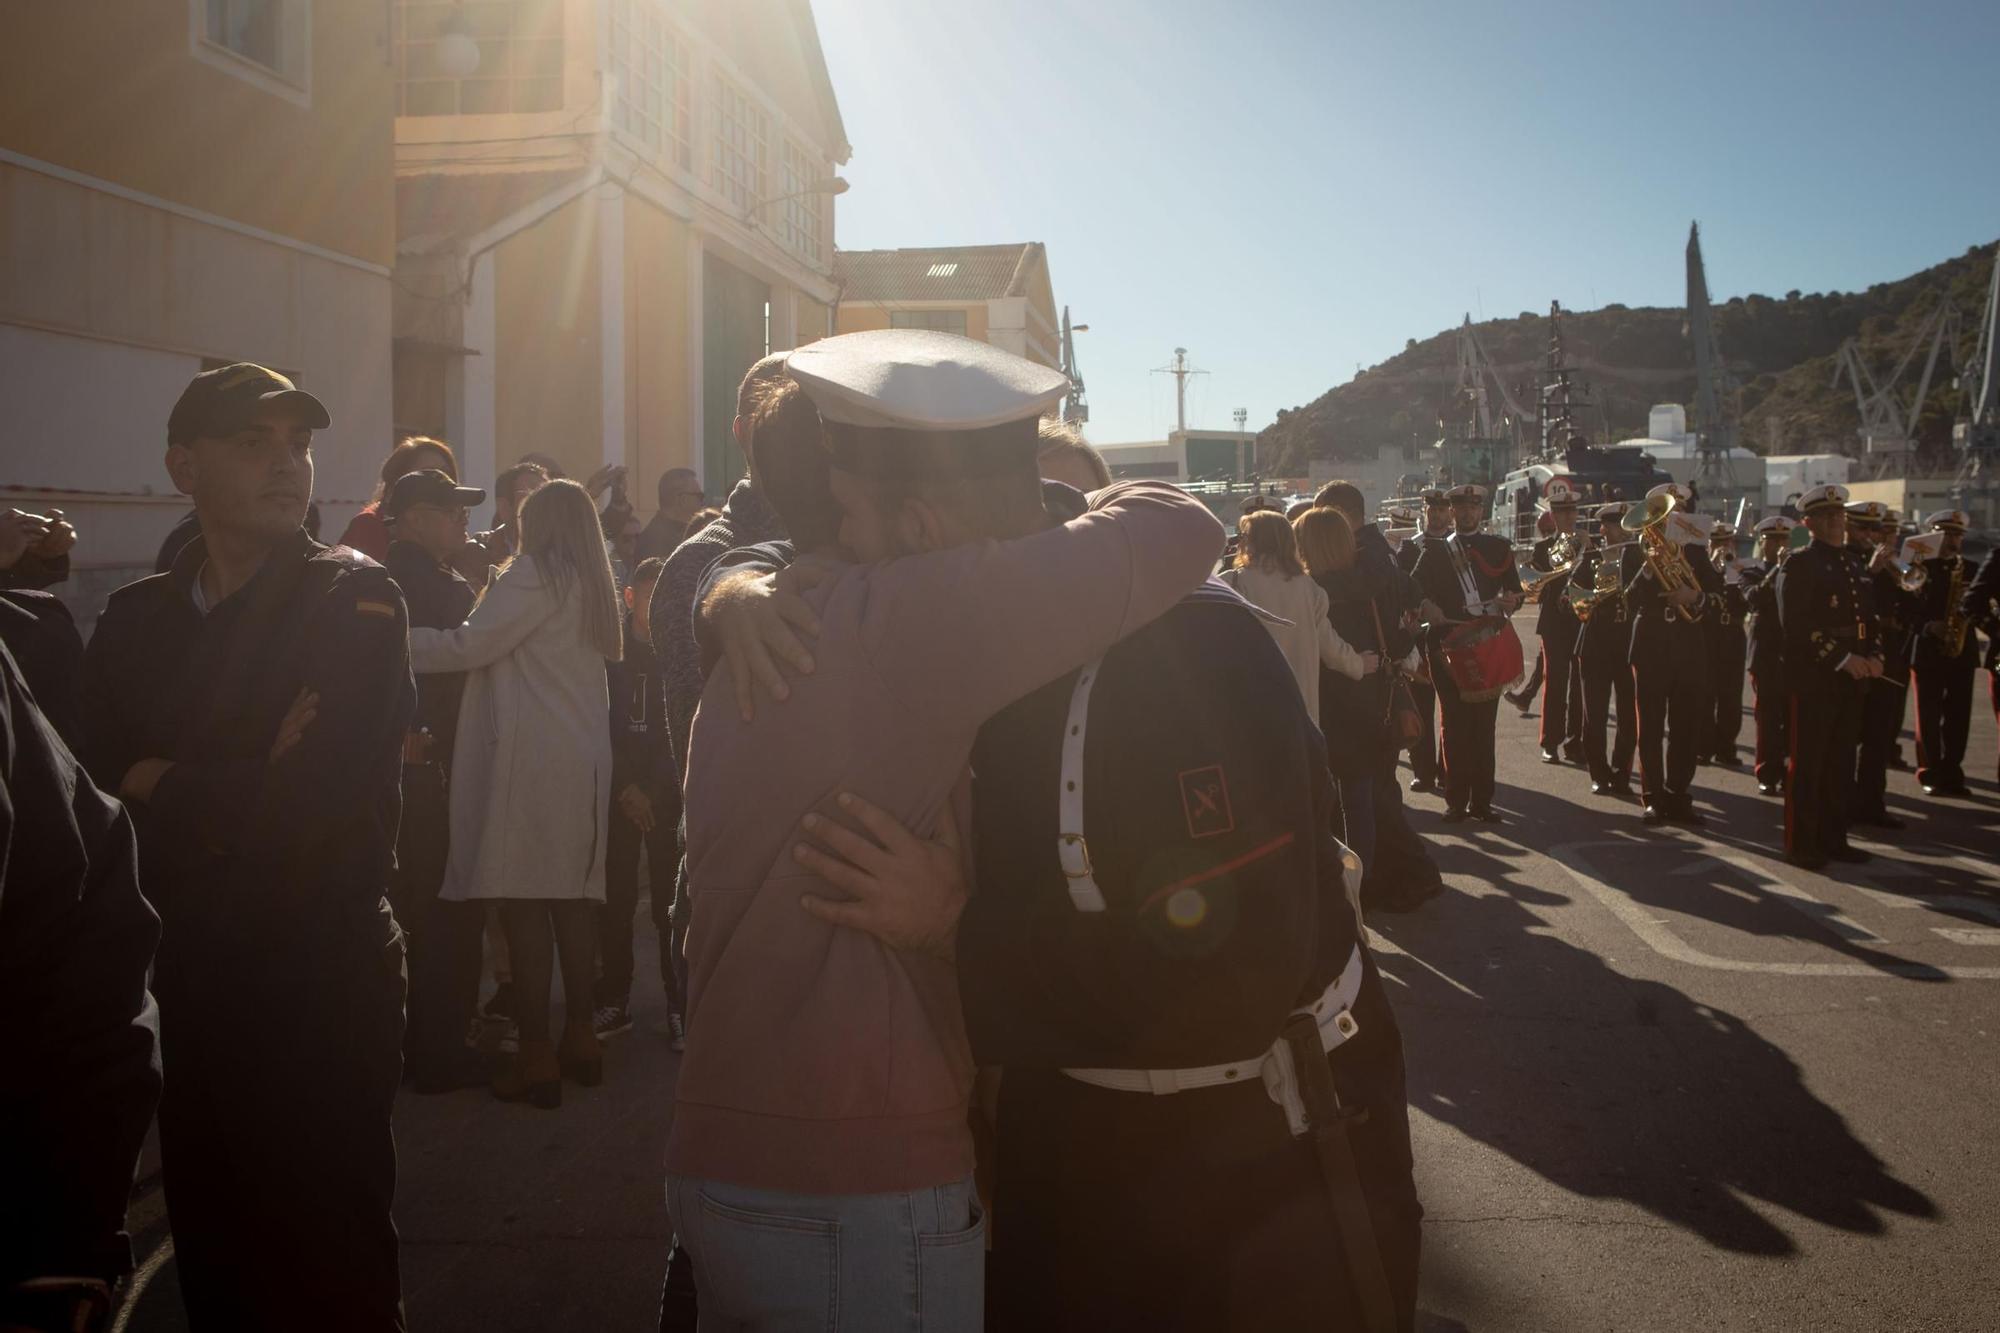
(1780, 354)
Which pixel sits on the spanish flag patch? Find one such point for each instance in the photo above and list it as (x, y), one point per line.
(382, 609)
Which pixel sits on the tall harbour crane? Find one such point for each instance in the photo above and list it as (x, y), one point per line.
(1076, 407)
(1888, 432)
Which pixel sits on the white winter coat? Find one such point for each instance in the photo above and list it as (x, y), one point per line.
(1309, 642)
(531, 768)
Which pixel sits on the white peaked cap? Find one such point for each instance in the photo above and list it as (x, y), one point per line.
(922, 380)
(1673, 488)
(1775, 523)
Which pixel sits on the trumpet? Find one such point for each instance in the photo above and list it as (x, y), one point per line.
(1667, 561)
(1909, 577)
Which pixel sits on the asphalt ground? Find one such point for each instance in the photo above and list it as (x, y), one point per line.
(1659, 1079)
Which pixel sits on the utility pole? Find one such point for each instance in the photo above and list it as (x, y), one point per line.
(1180, 370)
(1243, 465)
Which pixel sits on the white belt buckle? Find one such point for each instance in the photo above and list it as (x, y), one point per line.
(1281, 1085)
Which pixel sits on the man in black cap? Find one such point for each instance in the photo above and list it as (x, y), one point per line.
(250, 706)
(1827, 603)
(427, 516)
(1944, 655)
(1603, 655)
(1424, 754)
(1767, 653)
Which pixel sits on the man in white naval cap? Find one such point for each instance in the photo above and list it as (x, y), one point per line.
(1201, 1118)
(820, 1161)
(1671, 662)
(1944, 656)
(1767, 652)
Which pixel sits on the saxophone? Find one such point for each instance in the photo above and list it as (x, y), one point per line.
(1956, 622)
(1663, 556)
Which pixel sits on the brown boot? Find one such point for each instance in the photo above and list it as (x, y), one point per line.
(532, 1076)
(581, 1057)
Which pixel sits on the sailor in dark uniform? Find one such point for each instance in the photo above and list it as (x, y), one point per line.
(1467, 576)
(1826, 600)
(427, 515)
(1773, 706)
(250, 706)
(1885, 698)
(1981, 608)
(1603, 653)
(1670, 667)
(1557, 627)
(1728, 640)
(1424, 754)
(1944, 655)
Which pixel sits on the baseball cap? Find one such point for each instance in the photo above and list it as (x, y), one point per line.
(222, 401)
(429, 485)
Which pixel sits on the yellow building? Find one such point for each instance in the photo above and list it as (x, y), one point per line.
(185, 184)
(999, 294)
(606, 211)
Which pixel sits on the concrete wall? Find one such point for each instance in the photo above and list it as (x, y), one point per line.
(548, 391)
(857, 317)
(659, 337)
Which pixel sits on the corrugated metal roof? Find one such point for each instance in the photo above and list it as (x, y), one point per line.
(936, 273)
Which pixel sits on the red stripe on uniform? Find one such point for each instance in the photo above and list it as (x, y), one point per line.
(1275, 845)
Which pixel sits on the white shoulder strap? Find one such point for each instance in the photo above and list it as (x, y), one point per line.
(1071, 849)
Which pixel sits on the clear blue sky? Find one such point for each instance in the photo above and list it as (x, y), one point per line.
(1288, 189)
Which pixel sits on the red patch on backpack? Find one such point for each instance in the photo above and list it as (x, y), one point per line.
(1205, 802)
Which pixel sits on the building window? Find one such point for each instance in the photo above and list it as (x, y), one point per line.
(520, 65)
(801, 228)
(649, 64)
(737, 157)
(944, 321)
(265, 42)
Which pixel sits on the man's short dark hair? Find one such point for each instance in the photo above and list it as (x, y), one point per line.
(646, 570)
(1344, 496)
(503, 485)
(792, 465)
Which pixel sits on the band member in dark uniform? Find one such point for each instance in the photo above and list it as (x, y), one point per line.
(426, 514)
(1670, 660)
(1603, 654)
(1884, 699)
(1467, 576)
(1424, 754)
(1944, 656)
(1982, 607)
(1825, 598)
(1557, 627)
(250, 707)
(1767, 653)
(1727, 643)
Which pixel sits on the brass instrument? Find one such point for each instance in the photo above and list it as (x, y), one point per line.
(1666, 559)
(1605, 582)
(1563, 553)
(1956, 622)
(1909, 577)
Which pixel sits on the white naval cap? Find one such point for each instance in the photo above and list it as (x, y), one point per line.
(1673, 488)
(1469, 491)
(1950, 520)
(1829, 496)
(922, 380)
(1775, 523)
(1721, 530)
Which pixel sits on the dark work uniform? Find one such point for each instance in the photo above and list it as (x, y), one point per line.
(40, 632)
(1885, 699)
(443, 937)
(1670, 679)
(1468, 727)
(1562, 684)
(1773, 706)
(280, 974)
(1209, 839)
(1603, 656)
(1826, 599)
(641, 755)
(1982, 608)
(1943, 678)
(1728, 644)
(79, 1029)
(1424, 754)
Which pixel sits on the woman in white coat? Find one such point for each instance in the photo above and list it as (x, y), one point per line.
(531, 771)
(1268, 573)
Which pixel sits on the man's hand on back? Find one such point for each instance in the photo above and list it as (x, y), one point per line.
(758, 620)
(906, 892)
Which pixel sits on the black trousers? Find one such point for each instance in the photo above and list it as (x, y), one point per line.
(1466, 742)
(1882, 705)
(1130, 1211)
(443, 938)
(1607, 685)
(1826, 737)
(1774, 716)
(1944, 710)
(1675, 706)
(1726, 677)
(621, 901)
(1562, 692)
(281, 1071)
(1424, 754)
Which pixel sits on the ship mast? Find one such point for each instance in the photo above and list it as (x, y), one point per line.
(1715, 436)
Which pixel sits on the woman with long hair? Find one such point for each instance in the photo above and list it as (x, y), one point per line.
(366, 532)
(1268, 573)
(531, 772)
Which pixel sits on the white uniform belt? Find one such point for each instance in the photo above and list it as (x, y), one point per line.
(1330, 1010)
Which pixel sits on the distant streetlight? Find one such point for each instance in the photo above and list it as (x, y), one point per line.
(456, 54)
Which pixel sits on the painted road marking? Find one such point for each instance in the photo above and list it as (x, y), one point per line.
(1822, 913)
(1570, 856)
(1978, 907)
(1969, 935)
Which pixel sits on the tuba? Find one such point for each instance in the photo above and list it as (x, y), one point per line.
(1604, 582)
(1563, 553)
(1663, 556)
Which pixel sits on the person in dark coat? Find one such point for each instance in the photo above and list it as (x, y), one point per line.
(76, 1021)
(1603, 651)
(39, 630)
(1670, 656)
(1728, 644)
(1772, 707)
(1557, 628)
(1884, 699)
(425, 514)
(250, 707)
(1425, 775)
(1981, 607)
(1944, 655)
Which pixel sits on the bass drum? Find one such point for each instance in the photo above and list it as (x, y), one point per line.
(1483, 657)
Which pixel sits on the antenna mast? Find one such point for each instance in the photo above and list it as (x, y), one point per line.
(1180, 370)
(1076, 407)
(1715, 437)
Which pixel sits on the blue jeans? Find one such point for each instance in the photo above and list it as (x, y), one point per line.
(766, 1261)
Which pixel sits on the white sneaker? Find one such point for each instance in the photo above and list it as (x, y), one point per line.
(611, 1020)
